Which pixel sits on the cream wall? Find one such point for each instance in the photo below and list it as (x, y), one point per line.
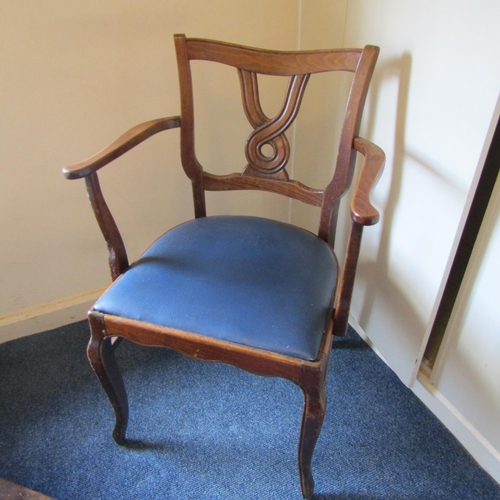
(467, 370)
(320, 118)
(432, 107)
(432, 99)
(73, 76)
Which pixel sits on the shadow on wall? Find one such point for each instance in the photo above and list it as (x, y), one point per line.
(380, 288)
(377, 271)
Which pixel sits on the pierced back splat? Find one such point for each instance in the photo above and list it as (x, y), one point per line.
(266, 171)
(270, 131)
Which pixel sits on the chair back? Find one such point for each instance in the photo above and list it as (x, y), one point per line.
(266, 170)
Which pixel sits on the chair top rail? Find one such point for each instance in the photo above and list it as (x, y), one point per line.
(272, 62)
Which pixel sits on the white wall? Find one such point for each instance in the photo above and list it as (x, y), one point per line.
(431, 108)
(73, 76)
(434, 92)
(467, 370)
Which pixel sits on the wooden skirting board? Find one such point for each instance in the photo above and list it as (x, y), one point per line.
(11, 491)
(46, 317)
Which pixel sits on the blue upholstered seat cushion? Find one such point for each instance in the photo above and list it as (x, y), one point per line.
(248, 280)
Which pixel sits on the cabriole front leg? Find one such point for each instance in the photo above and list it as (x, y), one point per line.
(312, 421)
(101, 356)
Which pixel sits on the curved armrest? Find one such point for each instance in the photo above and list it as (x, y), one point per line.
(362, 211)
(124, 143)
(117, 255)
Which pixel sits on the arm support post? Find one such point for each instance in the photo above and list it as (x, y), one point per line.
(363, 213)
(87, 169)
(117, 255)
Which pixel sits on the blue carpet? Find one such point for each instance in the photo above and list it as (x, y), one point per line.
(208, 431)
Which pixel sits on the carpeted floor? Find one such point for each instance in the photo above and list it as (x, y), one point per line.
(209, 431)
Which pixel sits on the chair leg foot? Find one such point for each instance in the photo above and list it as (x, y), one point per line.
(312, 421)
(101, 356)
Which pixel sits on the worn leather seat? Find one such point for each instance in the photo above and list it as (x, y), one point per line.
(248, 285)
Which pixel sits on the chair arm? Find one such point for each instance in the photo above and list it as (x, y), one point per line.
(124, 143)
(117, 255)
(362, 211)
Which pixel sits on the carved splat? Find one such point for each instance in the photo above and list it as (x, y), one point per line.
(269, 131)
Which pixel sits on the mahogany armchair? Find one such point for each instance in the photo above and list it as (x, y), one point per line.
(262, 295)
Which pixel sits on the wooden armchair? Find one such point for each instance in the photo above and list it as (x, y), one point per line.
(262, 295)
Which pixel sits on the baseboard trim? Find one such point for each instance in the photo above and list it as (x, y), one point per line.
(46, 317)
(357, 328)
(471, 439)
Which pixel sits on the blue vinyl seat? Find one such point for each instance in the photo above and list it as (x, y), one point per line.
(255, 282)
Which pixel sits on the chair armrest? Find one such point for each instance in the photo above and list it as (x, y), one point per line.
(362, 211)
(117, 255)
(124, 143)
